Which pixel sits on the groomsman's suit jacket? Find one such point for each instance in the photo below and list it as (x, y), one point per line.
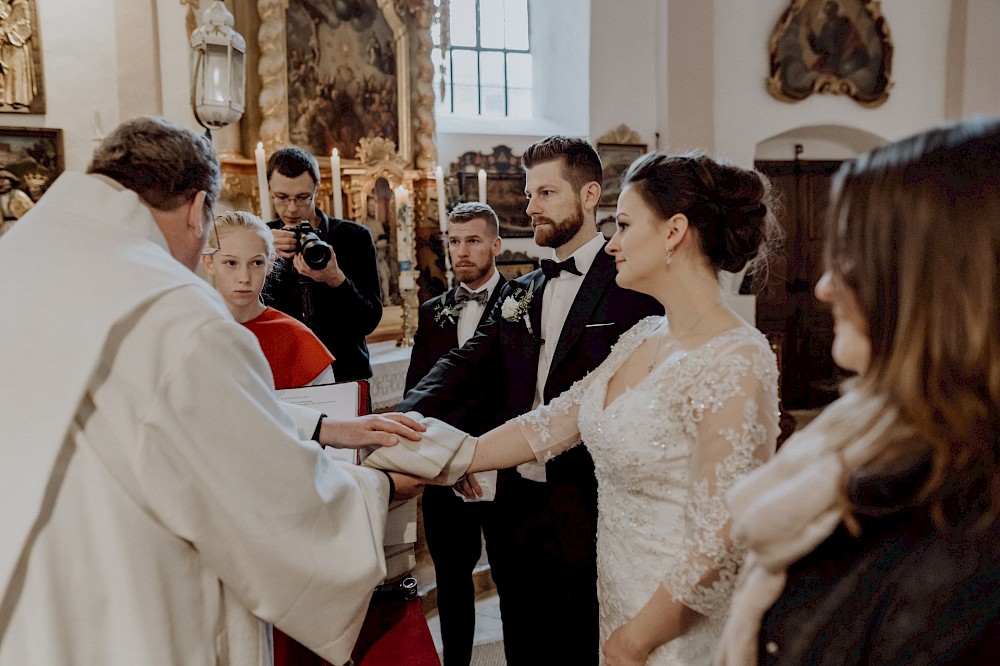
(494, 374)
(453, 528)
(434, 338)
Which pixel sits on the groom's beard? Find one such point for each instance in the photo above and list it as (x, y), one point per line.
(557, 234)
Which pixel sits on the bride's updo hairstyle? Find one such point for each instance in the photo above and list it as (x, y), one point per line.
(730, 207)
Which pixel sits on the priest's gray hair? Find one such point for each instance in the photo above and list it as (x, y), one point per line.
(162, 162)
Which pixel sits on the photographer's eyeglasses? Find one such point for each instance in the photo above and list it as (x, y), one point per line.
(300, 200)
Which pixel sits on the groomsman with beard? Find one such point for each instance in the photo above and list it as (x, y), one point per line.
(550, 328)
(453, 527)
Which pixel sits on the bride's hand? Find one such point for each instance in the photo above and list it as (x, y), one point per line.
(621, 649)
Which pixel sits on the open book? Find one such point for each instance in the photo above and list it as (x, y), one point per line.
(337, 401)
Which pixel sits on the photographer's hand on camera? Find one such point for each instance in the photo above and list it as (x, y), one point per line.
(330, 274)
(284, 242)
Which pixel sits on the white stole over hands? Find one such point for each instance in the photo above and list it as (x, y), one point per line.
(443, 450)
(49, 355)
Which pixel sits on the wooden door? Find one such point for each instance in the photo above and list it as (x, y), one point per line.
(788, 312)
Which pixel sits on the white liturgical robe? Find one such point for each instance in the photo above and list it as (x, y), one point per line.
(159, 504)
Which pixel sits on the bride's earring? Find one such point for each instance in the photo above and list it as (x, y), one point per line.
(670, 255)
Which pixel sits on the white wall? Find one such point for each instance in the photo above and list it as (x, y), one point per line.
(107, 60)
(623, 67)
(80, 65)
(745, 113)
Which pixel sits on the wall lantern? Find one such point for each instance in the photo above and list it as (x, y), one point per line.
(218, 78)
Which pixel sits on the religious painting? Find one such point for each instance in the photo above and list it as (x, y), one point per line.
(505, 184)
(21, 84)
(839, 47)
(505, 194)
(513, 265)
(615, 160)
(342, 75)
(30, 159)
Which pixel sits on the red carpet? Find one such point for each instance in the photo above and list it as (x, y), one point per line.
(395, 633)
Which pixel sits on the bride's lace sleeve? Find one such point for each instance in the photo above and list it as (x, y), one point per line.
(554, 428)
(732, 415)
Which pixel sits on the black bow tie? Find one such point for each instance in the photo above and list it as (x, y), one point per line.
(552, 268)
(463, 294)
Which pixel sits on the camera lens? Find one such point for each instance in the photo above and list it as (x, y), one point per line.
(316, 253)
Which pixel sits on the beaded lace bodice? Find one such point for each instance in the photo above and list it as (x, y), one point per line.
(665, 452)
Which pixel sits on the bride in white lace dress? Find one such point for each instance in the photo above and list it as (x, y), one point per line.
(665, 452)
(684, 406)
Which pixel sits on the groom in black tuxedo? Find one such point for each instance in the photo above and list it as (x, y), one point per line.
(454, 528)
(550, 328)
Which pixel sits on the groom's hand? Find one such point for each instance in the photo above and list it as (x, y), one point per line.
(371, 430)
(468, 487)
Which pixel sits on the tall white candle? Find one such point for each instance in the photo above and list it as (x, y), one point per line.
(404, 227)
(404, 238)
(338, 201)
(482, 186)
(265, 197)
(442, 205)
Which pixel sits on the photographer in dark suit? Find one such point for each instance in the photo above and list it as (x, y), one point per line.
(454, 528)
(340, 301)
(550, 328)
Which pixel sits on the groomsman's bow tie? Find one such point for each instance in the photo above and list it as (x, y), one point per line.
(463, 294)
(552, 268)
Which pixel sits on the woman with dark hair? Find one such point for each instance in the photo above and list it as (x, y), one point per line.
(873, 534)
(683, 406)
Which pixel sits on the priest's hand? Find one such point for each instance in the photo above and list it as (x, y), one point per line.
(371, 430)
(407, 486)
(330, 274)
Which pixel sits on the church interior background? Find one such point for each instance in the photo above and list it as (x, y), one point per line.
(666, 74)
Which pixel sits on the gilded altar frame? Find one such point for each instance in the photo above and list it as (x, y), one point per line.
(410, 164)
(410, 22)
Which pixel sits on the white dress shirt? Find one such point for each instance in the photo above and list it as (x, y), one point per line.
(557, 299)
(472, 312)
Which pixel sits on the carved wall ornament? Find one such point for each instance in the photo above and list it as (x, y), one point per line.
(839, 47)
(22, 77)
(621, 134)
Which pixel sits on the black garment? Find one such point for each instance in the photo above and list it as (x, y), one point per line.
(454, 529)
(340, 317)
(903, 592)
(544, 558)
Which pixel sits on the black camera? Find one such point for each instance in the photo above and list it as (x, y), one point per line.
(315, 251)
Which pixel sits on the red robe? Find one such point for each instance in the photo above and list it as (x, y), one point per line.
(295, 354)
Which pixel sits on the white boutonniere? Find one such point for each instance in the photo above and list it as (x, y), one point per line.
(515, 306)
(447, 313)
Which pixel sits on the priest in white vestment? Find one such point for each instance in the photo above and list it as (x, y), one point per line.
(159, 504)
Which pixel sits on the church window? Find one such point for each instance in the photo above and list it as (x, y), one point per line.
(487, 61)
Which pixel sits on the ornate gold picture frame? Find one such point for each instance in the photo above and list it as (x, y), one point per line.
(325, 66)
